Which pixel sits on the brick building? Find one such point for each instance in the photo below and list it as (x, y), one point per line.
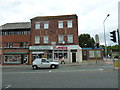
(52, 37)
(55, 37)
(14, 43)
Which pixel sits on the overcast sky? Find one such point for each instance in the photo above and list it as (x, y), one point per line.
(91, 13)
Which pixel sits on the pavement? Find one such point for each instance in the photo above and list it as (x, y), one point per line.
(84, 62)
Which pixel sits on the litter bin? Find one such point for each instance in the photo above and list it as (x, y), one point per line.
(116, 63)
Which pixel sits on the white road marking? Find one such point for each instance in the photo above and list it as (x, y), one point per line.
(100, 69)
(50, 71)
(8, 86)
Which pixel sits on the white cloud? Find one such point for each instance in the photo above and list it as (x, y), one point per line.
(91, 13)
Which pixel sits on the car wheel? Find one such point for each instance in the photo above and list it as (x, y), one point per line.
(53, 66)
(34, 67)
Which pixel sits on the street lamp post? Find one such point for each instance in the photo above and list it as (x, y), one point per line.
(105, 36)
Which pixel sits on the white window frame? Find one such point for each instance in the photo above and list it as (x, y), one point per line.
(60, 24)
(60, 38)
(37, 25)
(37, 39)
(69, 24)
(46, 25)
(46, 39)
(70, 38)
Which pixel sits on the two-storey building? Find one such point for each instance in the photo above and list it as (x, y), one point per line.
(14, 43)
(55, 37)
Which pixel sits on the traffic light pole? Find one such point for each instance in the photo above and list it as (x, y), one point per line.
(118, 41)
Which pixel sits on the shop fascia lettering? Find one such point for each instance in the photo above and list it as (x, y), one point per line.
(47, 47)
(60, 47)
(55, 47)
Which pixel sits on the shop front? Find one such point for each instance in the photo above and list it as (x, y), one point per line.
(15, 58)
(70, 53)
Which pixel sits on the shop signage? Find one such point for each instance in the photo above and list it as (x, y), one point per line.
(60, 47)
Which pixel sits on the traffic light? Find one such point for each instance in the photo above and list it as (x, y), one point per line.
(113, 36)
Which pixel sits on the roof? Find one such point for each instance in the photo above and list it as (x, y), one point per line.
(55, 17)
(18, 25)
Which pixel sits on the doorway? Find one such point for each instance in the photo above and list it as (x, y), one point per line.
(84, 55)
(74, 57)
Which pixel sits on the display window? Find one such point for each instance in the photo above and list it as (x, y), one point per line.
(59, 54)
(12, 58)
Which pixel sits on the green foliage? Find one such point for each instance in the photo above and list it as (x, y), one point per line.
(110, 48)
(86, 41)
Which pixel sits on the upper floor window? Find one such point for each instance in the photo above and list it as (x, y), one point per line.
(37, 39)
(9, 44)
(46, 25)
(22, 32)
(37, 25)
(23, 44)
(46, 40)
(60, 38)
(70, 38)
(60, 24)
(69, 24)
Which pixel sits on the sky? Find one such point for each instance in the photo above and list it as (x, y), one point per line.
(91, 13)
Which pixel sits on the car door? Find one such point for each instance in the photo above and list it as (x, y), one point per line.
(45, 63)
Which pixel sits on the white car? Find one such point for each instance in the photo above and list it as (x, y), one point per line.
(44, 63)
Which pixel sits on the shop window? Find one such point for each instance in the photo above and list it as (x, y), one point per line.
(12, 59)
(91, 54)
(58, 55)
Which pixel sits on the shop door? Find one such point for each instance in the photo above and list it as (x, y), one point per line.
(73, 57)
(22, 59)
(84, 55)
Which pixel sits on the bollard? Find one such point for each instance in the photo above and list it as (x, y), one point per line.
(116, 63)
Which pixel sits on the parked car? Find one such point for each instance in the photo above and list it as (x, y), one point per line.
(44, 63)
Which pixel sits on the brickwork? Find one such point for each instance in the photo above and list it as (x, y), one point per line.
(53, 31)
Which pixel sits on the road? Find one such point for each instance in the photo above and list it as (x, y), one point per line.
(68, 76)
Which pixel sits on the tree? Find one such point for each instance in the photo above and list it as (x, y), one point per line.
(86, 41)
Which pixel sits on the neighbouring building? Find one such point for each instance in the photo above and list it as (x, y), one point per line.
(14, 43)
(51, 37)
(54, 37)
(92, 54)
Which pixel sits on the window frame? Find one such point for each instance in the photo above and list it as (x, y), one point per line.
(37, 39)
(60, 24)
(46, 39)
(46, 25)
(37, 25)
(70, 39)
(60, 38)
(69, 24)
